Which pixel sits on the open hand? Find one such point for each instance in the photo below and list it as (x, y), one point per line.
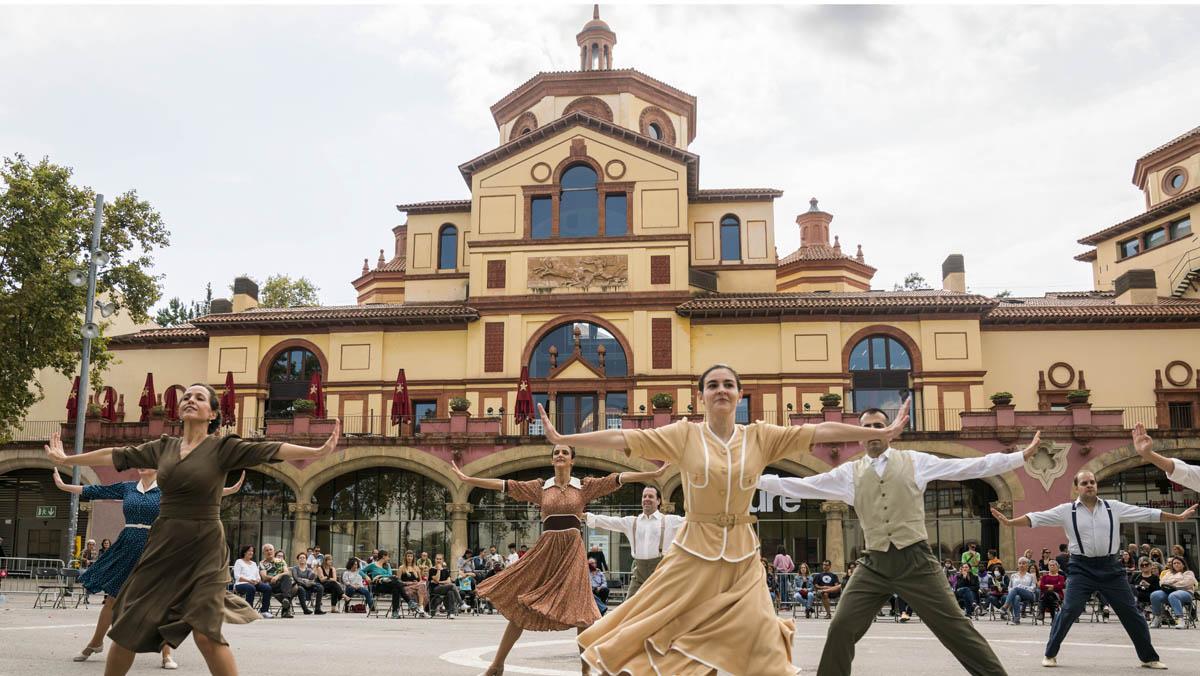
(552, 434)
(659, 472)
(1189, 512)
(999, 516)
(457, 471)
(54, 450)
(900, 423)
(58, 479)
(334, 439)
(1142, 442)
(1032, 448)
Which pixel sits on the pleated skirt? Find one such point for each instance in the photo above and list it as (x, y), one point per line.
(548, 588)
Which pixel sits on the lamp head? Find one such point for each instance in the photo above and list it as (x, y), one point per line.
(90, 330)
(77, 277)
(106, 309)
(102, 259)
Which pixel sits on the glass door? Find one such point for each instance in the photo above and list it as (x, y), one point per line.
(576, 412)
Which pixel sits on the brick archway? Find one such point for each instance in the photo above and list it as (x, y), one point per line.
(589, 105)
(265, 365)
(909, 343)
(544, 329)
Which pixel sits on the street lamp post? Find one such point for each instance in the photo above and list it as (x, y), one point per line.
(89, 331)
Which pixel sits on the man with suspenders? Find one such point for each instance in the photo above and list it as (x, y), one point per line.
(1093, 528)
(650, 534)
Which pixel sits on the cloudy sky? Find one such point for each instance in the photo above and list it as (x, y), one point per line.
(278, 139)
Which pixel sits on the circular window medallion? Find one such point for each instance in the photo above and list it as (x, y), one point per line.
(1174, 181)
(540, 172)
(1179, 373)
(615, 169)
(1061, 374)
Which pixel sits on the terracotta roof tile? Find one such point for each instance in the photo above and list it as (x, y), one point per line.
(375, 313)
(736, 195)
(435, 206)
(182, 333)
(397, 264)
(1086, 256)
(1173, 142)
(862, 302)
(1089, 307)
(816, 252)
(568, 74)
(1180, 201)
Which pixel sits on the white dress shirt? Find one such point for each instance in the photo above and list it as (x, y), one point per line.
(649, 531)
(1185, 475)
(245, 569)
(838, 483)
(1094, 525)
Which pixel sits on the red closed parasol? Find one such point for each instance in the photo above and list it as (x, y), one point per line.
(524, 408)
(401, 404)
(316, 394)
(73, 401)
(227, 401)
(108, 410)
(148, 399)
(171, 403)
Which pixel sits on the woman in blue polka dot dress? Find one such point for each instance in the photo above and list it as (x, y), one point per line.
(139, 501)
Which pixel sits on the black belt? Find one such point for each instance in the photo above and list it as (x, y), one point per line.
(560, 522)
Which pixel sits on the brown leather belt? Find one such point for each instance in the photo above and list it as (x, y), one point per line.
(560, 522)
(724, 519)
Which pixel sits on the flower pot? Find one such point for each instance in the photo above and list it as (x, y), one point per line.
(1001, 401)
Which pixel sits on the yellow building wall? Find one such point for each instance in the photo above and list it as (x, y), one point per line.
(425, 355)
(1118, 364)
(1154, 187)
(1162, 259)
(757, 233)
(637, 260)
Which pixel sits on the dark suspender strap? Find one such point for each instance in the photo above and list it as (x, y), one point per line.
(1075, 525)
(1110, 527)
(662, 533)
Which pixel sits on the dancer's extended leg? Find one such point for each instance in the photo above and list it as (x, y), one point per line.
(511, 633)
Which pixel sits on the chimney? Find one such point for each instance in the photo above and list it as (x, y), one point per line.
(1136, 287)
(814, 225)
(401, 233)
(245, 294)
(954, 274)
(220, 306)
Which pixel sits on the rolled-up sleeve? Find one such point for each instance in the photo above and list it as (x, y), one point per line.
(1185, 475)
(1056, 516)
(1133, 514)
(782, 442)
(660, 443)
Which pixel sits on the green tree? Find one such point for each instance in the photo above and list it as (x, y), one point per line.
(283, 291)
(177, 312)
(913, 281)
(1004, 294)
(45, 231)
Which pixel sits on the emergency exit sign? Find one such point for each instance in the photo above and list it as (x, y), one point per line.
(46, 511)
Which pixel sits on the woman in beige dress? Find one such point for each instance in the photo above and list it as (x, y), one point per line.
(706, 607)
(178, 587)
(548, 588)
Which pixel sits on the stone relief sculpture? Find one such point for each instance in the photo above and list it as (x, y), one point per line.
(578, 272)
(1049, 463)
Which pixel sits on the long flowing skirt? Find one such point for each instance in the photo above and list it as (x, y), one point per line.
(109, 572)
(693, 616)
(548, 588)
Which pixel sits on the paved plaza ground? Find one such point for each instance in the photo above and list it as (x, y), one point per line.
(42, 642)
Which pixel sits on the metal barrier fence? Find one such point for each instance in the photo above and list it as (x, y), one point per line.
(24, 575)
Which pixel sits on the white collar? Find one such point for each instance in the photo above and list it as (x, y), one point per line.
(573, 482)
(138, 484)
(882, 456)
(653, 515)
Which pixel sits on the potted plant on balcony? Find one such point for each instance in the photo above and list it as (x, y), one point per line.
(1002, 398)
(93, 411)
(831, 400)
(1078, 396)
(662, 402)
(459, 404)
(303, 408)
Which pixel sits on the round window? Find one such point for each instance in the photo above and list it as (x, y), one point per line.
(1177, 181)
(655, 131)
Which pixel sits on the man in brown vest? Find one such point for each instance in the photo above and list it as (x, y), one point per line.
(886, 487)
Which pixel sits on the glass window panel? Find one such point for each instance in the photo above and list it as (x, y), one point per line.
(860, 356)
(742, 414)
(1129, 248)
(615, 404)
(421, 411)
(731, 240)
(878, 352)
(448, 248)
(1177, 181)
(578, 214)
(1156, 237)
(655, 132)
(580, 177)
(1181, 228)
(614, 215)
(898, 356)
(540, 219)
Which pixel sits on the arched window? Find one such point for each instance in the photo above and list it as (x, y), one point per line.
(382, 508)
(257, 514)
(731, 239)
(595, 56)
(288, 377)
(1147, 486)
(579, 205)
(590, 343)
(655, 131)
(448, 247)
(879, 373)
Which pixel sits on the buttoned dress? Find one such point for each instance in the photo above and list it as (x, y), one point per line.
(140, 507)
(548, 589)
(706, 606)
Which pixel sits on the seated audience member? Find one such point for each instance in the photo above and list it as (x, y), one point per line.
(384, 581)
(900, 606)
(1051, 587)
(308, 587)
(992, 559)
(826, 586)
(1175, 587)
(599, 584)
(494, 558)
(771, 579)
(354, 583)
(415, 585)
(1156, 557)
(1063, 558)
(327, 576)
(803, 591)
(442, 589)
(479, 564)
(462, 560)
(512, 557)
(248, 581)
(424, 563)
(598, 555)
(1128, 564)
(1022, 588)
(1043, 563)
(466, 589)
(274, 571)
(523, 551)
(972, 558)
(995, 585)
(1145, 582)
(966, 589)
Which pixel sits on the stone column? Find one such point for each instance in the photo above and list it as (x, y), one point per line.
(835, 544)
(457, 512)
(667, 507)
(1008, 537)
(301, 526)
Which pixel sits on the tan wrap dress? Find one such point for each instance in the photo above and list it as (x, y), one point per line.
(706, 607)
(548, 589)
(179, 584)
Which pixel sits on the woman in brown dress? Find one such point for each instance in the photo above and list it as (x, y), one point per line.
(548, 588)
(179, 585)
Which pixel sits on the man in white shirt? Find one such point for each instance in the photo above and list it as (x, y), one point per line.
(512, 555)
(886, 486)
(1093, 528)
(650, 534)
(1177, 470)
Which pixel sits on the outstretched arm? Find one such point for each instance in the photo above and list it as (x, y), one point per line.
(236, 487)
(1177, 471)
(834, 432)
(642, 477)
(1020, 521)
(490, 484)
(99, 458)
(1185, 515)
(932, 468)
(63, 486)
(295, 452)
(612, 440)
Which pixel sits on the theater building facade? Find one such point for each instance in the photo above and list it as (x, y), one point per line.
(585, 249)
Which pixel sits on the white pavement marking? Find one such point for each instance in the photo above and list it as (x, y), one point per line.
(49, 626)
(1118, 646)
(471, 657)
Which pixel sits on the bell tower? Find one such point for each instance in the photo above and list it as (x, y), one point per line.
(596, 42)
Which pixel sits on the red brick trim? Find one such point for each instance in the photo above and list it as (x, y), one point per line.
(493, 347)
(660, 269)
(590, 105)
(526, 123)
(654, 114)
(660, 342)
(496, 273)
(527, 353)
(265, 364)
(914, 352)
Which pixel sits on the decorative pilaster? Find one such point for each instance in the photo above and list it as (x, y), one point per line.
(1008, 535)
(667, 507)
(835, 512)
(458, 511)
(301, 525)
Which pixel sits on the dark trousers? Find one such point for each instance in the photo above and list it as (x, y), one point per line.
(915, 574)
(249, 589)
(334, 590)
(1102, 574)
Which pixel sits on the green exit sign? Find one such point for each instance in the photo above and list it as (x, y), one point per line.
(46, 511)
